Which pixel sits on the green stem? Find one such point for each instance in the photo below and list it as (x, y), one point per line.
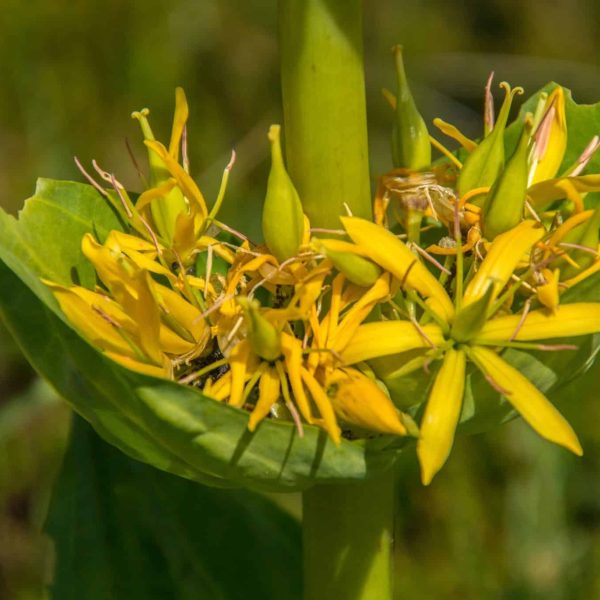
(324, 107)
(347, 527)
(347, 535)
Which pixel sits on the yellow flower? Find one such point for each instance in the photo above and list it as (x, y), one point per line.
(473, 332)
(134, 319)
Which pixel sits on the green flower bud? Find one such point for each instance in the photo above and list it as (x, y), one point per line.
(483, 165)
(411, 148)
(357, 269)
(263, 336)
(503, 207)
(282, 217)
(165, 208)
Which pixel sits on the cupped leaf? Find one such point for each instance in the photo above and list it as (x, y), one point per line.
(160, 422)
(124, 530)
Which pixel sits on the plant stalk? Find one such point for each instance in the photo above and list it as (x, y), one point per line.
(347, 537)
(324, 107)
(347, 528)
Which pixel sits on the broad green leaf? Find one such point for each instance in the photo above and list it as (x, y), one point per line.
(125, 531)
(170, 426)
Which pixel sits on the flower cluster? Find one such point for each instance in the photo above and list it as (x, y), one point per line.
(465, 257)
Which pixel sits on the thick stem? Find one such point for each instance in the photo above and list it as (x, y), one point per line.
(347, 535)
(324, 107)
(347, 528)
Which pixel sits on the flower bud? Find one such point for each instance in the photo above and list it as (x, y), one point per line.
(166, 204)
(411, 148)
(503, 207)
(355, 268)
(263, 336)
(483, 165)
(282, 217)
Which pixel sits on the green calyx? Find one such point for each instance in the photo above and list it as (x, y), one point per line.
(167, 208)
(357, 269)
(484, 164)
(470, 319)
(411, 148)
(282, 217)
(263, 335)
(503, 207)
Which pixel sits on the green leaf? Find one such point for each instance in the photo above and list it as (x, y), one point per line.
(123, 530)
(170, 426)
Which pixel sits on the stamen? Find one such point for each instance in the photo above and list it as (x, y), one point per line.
(348, 210)
(285, 392)
(92, 181)
(472, 194)
(439, 146)
(216, 305)
(488, 106)
(496, 385)
(532, 212)
(587, 249)
(224, 180)
(234, 331)
(106, 317)
(117, 187)
(135, 163)
(228, 229)
(184, 150)
(429, 258)
(422, 332)
(459, 258)
(586, 156)
(325, 230)
(207, 369)
(209, 265)
(526, 308)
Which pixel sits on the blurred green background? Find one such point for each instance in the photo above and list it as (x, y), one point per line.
(510, 517)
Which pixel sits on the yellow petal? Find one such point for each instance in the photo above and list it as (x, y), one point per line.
(132, 242)
(292, 352)
(580, 318)
(358, 313)
(441, 415)
(453, 132)
(358, 400)
(542, 194)
(534, 407)
(392, 254)
(548, 293)
(179, 120)
(78, 306)
(160, 192)
(328, 420)
(142, 308)
(552, 158)
(503, 256)
(268, 393)
(140, 367)
(389, 337)
(238, 361)
(184, 181)
(180, 310)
